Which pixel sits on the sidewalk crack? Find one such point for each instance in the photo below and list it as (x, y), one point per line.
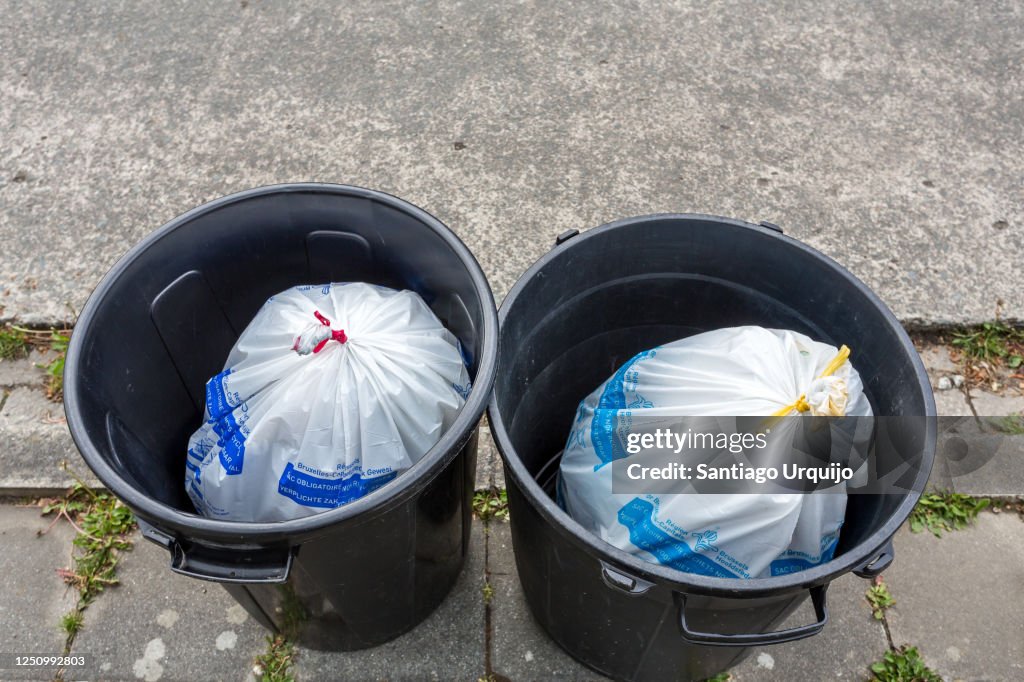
(888, 632)
(488, 630)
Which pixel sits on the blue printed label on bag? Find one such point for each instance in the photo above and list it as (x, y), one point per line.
(644, 533)
(232, 443)
(463, 390)
(793, 561)
(218, 399)
(201, 449)
(611, 415)
(316, 489)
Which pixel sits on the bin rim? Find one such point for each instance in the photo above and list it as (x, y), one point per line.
(692, 583)
(387, 497)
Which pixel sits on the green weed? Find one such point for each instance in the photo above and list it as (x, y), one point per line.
(71, 622)
(939, 512)
(880, 599)
(103, 525)
(993, 342)
(491, 504)
(903, 665)
(274, 665)
(55, 368)
(1012, 425)
(13, 343)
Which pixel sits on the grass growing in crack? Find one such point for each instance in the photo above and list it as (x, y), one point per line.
(1012, 425)
(13, 343)
(879, 597)
(903, 665)
(993, 342)
(274, 665)
(55, 368)
(720, 677)
(71, 622)
(488, 591)
(491, 504)
(938, 512)
(102, 524)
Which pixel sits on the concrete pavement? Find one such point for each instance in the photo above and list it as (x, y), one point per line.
(951, 602)
(887, 135)
(160, 626)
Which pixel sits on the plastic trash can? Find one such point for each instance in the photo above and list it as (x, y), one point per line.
(162, 322)
(589, 305)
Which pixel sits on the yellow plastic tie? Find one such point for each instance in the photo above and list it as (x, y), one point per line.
(800, 404)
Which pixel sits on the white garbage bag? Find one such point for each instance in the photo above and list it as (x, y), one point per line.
(741, 371)
(329, 393)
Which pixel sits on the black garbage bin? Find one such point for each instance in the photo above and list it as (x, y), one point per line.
(587, 306)
(163, 321)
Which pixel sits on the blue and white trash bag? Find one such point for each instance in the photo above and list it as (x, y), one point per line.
(329, 393)
(740, 371)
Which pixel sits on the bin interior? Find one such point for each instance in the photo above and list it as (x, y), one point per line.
(601, 301)
(166, 322)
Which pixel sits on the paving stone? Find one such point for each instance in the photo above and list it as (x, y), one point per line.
(988, 404)
(978, 456)
(33, 597)
(158, 625)
(952, 403)
(981, 460)
(940, 479)
(938, 362)
(959, 597)
(22, 372)
(520, 650)
(34, 440)
(448, 645)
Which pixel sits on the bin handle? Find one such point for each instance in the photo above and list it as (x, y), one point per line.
(874, 566)
(759, 639)
(263, 566)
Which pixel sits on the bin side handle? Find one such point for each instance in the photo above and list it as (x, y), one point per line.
(266, 566)
(877, 563)
(759, 639)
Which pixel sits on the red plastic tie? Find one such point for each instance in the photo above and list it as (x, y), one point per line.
(336, 334)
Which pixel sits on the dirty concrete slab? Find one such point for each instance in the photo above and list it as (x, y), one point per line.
(886, 135)
(23, 371)
(33, 597)
(938, 361)
(520, 649)
(158, 625)
(34, 442)
(980, 456)
(988, 404)
(448, 645)
(952, 403)
(957, 598)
